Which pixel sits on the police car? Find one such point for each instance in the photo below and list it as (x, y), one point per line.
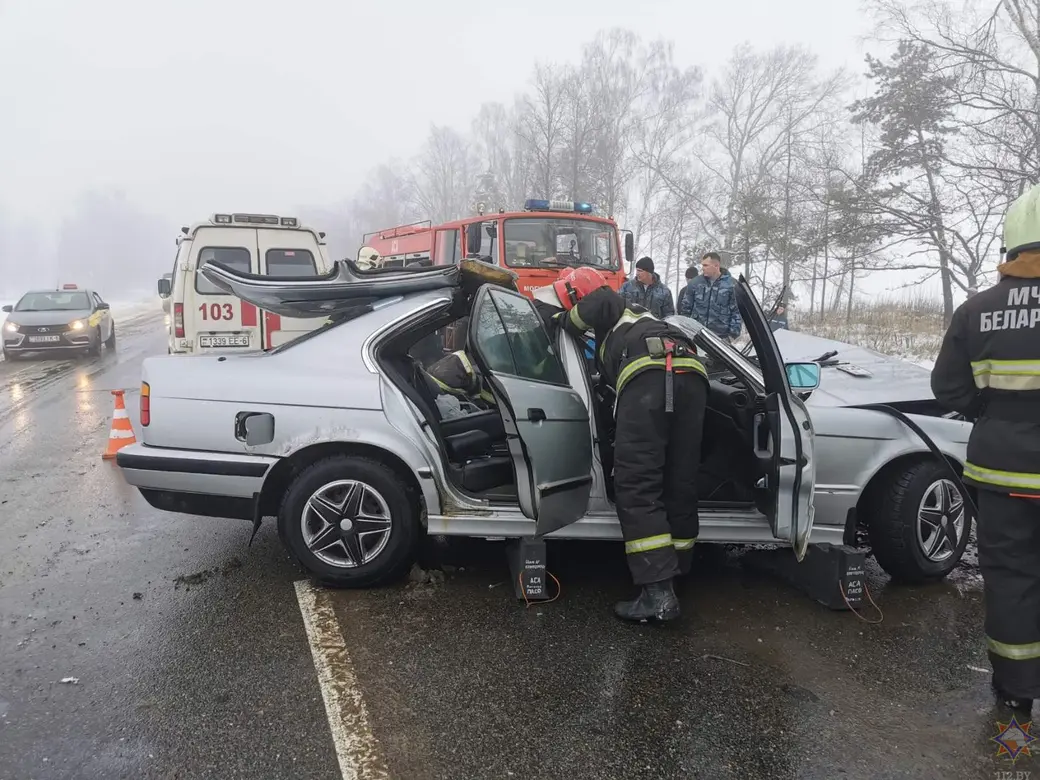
(65, 319)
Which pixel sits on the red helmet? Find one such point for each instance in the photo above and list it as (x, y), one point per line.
(575, 283)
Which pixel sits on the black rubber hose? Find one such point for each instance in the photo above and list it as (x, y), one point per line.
(892, 412)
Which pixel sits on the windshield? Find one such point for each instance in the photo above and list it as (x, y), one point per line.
(538, 242)
(53, 301)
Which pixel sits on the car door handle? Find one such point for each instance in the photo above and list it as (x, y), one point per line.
(536, 415)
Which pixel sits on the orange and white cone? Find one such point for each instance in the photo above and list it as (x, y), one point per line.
(122, 433)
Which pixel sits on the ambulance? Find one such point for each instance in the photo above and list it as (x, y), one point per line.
(202, 318)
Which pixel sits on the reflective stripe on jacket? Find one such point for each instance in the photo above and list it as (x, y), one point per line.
(989, 369)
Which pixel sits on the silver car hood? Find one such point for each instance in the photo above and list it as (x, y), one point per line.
(858, 375)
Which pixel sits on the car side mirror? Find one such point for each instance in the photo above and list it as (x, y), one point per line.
(8, 309)
(803, 376)
(103, 306)
(164, 288)
(630, 247)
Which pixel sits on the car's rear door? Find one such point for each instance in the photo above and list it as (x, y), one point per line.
(212, 318)
(287, 253)
(547, 424)
(783, 432)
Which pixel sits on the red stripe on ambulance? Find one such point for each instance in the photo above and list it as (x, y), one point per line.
(248, 315)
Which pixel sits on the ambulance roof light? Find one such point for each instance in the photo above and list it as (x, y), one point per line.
(575, 207)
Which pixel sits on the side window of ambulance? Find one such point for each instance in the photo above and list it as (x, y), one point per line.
(290, 262)
(235, 257)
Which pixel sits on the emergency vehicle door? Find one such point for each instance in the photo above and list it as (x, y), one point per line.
(546, 422)
(287, 253)
(212, 318)
(783, 433)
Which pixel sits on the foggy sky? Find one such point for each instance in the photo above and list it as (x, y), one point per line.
(193, 107)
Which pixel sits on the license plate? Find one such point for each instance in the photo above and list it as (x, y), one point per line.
(44, 339)
(224, 341)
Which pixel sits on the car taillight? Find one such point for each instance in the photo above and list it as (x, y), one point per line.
(178, 320)
(146, 404)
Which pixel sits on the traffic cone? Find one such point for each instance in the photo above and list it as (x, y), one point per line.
(122, 433)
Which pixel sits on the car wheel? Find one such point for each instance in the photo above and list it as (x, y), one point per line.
(921, 524)
(350, 521)
(10, 356)
(110, 342)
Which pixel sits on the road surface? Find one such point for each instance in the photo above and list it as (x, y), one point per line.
(186, 654)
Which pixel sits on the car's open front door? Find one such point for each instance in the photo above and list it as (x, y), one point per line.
(783, 433)
(547, 424)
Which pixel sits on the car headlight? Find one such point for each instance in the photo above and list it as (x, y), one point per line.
(11, 327)
(77, 325)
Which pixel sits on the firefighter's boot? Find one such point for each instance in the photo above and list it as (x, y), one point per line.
(1016, 704)
(656, 601)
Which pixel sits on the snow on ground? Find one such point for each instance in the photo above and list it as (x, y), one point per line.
(123, 310)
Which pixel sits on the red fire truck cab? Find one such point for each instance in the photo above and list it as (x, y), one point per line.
(536, 243)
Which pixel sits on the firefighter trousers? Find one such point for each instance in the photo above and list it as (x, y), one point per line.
(656, 457)
(1009, 555)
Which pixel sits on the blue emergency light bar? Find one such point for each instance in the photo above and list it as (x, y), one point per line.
(573, 207)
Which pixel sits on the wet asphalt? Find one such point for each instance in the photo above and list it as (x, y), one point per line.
(190, 659)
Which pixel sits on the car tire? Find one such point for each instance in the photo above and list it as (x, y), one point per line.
(94, 350)
(384, 495)
(110, 342)
(900, 524)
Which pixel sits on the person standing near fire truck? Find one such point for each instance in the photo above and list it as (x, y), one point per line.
(661, 391)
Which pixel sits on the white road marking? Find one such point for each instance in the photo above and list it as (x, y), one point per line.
(356, 747)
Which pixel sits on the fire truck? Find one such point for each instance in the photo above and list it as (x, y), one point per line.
(536, 243)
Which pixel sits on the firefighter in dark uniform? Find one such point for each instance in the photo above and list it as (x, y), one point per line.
(989, 370)
(661, 391)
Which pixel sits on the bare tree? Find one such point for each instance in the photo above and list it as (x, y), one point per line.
(444, 176)
(543, 128)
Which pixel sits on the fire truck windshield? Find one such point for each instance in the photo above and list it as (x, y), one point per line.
(559, 242)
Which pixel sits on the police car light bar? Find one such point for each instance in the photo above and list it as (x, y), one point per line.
(574, 207)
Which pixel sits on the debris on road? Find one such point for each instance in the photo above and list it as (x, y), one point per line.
(69, 681)
(421, 576)
(200, 577)
(138, 596)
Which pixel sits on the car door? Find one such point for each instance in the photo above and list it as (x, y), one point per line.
(104, 315)
(547, 424)
(783, 431)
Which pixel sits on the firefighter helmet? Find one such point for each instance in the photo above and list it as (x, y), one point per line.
(1022, 223)
(575, 283)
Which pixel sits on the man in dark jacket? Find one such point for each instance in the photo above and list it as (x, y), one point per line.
(989, 370)
(779, 320)
(712, 300)
(661, 390)
(646, 290)
(691, 274)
